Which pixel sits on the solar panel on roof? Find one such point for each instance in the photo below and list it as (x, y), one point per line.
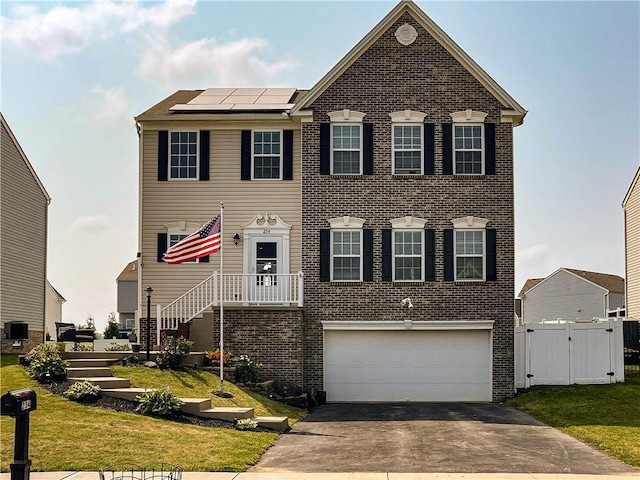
(239, 99)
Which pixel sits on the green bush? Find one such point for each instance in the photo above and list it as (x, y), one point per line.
(158, 403)
(246, 424)
(40, 351)
(82, 347)
(82, 392)
(247, 371)
(173, 352)
(48, 367)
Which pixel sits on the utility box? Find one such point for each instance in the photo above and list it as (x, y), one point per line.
(18, 402)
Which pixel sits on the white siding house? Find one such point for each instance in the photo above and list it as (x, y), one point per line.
(570, 294)
(53, 310)
(631, 208)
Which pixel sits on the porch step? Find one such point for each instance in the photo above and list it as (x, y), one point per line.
(130, 394)
(274, 423)
(88, 372)
(201, 407)
(91, 362)
(104, 382)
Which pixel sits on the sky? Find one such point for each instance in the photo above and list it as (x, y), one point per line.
(74, 75)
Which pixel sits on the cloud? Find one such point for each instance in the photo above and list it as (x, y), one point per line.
(64, 30)
(90, 225)
(109, 104)
(209, 63)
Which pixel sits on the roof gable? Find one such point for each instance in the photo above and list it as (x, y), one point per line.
(15, 142)
(632, 188)
(129, 273)
(610, 283)
(512, 108)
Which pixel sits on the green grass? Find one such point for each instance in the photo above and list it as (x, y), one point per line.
(604, 416)
(65, 435)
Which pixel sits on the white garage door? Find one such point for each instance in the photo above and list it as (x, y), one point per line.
(407, 365)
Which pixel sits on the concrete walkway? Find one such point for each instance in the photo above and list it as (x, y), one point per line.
(345, 476)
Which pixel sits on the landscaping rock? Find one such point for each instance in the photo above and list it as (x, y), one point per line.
(150, 364)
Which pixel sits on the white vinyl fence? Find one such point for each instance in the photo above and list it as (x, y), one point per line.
(565, 353)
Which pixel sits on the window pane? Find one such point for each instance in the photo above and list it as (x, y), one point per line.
(266, 150)
(469, 268)
(346, 162)
(184, 149)
(346, 255)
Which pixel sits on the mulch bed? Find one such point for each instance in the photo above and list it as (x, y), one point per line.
(59, 387)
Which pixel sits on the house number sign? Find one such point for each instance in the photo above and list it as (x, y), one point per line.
(266, 230)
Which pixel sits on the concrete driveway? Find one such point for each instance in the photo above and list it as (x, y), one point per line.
(414, 437)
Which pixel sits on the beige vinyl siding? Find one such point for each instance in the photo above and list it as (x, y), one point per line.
(632, 249)
(198, 201)
(23, 236)
(53, 310)
(563, 295)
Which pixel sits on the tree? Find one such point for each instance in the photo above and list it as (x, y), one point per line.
(112, 329)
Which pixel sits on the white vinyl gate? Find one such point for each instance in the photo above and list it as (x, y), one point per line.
(568, 353)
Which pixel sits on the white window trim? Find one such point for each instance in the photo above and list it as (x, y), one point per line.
(407, 224)
(181, 227)
(253, 153)
(351, 118)
(197, 177)
(468, 118)
(476, 224)
(346, 224)
(408, 118)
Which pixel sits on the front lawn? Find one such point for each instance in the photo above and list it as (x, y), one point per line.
(606, 417)
(65, 435)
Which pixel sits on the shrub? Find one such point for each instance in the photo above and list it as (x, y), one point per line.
(118, 347)
(112, 330)
(246, 424)
(247, 371)
(158, 403)
(82, 392)
(214, 358)
(82, 347)
(41, 350)
(48, 367)
(173, 352)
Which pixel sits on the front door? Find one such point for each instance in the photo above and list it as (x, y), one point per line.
(264, 285)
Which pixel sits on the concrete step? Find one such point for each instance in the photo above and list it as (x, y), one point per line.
(91, 362)
(130, 394)
(195, 405)
(88, 372)
(104, 382)
(201, 407)
(115, 356)
(273, 423)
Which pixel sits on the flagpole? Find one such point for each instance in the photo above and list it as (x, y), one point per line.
(221, 299)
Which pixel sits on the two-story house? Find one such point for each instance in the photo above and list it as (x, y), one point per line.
(369, 221)
(631, 210)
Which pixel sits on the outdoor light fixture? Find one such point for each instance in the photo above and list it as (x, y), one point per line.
(406, 302)
(149, 291)
(236, 238)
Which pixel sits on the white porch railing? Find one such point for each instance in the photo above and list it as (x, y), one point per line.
(251, 290)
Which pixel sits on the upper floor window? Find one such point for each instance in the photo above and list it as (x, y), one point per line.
(407, 144)
(408, 249)
(267, 155)
(469, 248)
(468, 144)
(183, 155)
(468, 149)
(346, 248)
(346, 142)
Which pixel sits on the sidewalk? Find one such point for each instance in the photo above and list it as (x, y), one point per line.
(344, 476)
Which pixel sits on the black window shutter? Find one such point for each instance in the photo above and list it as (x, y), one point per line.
(204, 155)
(325, 148)
(325, 254)
(491, 255)
(162, 245)
(163, 154)
(245, 155)
(367, 148)
(386, 255)
(430, 255)
(429, 149)
(447, 149)
(448, 255)
(367, 251)
(204, 259)
(489, 149)
(287, 155)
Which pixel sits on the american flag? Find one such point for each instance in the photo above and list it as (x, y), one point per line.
(203, 242)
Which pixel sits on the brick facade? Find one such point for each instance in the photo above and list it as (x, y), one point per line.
(35, 337)
(424, 77)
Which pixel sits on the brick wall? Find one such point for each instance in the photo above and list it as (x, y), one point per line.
(36, 337)
(390, 77)
(271, 337)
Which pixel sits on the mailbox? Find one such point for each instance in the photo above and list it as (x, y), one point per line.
(18, 402)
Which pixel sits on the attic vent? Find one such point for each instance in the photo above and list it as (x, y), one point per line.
(406, 34)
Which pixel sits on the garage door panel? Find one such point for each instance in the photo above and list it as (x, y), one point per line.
(414, 365)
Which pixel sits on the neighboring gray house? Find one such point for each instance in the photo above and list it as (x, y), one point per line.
(127, 297)
(570, 294)
(23, 256)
